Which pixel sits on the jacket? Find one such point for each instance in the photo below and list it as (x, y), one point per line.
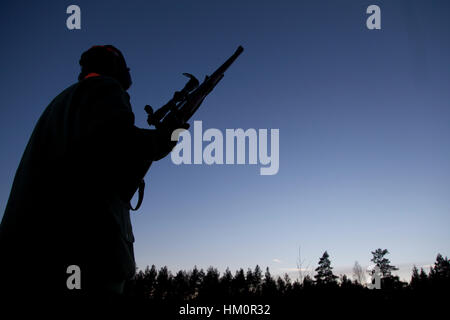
(69, 200)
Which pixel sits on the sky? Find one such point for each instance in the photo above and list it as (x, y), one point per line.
(363, 118)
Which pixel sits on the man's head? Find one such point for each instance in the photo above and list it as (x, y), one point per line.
(107, 61)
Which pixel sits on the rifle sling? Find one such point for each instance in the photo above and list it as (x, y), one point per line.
(140, 196)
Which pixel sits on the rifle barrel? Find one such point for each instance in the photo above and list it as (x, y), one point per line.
(227, 63)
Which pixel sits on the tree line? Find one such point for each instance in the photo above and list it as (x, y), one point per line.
(198, 284)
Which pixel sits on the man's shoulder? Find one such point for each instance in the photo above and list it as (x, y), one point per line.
(85, 91)
(101, 83)
(91, 84)
(97, 85)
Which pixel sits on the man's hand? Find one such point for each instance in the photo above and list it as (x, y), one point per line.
(165, 143)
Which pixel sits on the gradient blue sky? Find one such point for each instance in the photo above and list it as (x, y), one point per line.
(363, 118)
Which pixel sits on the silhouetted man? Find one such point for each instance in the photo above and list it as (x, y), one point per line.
(69, 203)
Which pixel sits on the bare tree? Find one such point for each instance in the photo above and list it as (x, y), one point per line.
(302, 270)
(359, 274)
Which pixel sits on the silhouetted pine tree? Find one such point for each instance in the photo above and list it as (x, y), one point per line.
(181, 285)
(440, 272)
(250, 280)
(383, 263)
(254, 278)
(423, 277)
(210, 285)
(257, 280)
(308, 282)
(415, 278)
(195, 281)
(145, 282)
(388, 281)
(324, 274)
(239, 283)
(419, 280)
(281, 286)
(163, 284)
(269, 287)
(226, 283)
(346, 283)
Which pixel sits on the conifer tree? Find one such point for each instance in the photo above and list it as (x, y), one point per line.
(324, 274)
(383, 263)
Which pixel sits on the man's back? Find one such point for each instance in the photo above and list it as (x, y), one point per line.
(66, 205)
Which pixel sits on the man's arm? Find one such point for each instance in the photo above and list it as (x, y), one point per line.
(112, 122)
(125, 151)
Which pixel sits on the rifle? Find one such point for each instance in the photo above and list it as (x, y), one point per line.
(181, 108)
(186, 102)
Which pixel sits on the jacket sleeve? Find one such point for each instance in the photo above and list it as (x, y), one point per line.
(112, 124)
(119, 153)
